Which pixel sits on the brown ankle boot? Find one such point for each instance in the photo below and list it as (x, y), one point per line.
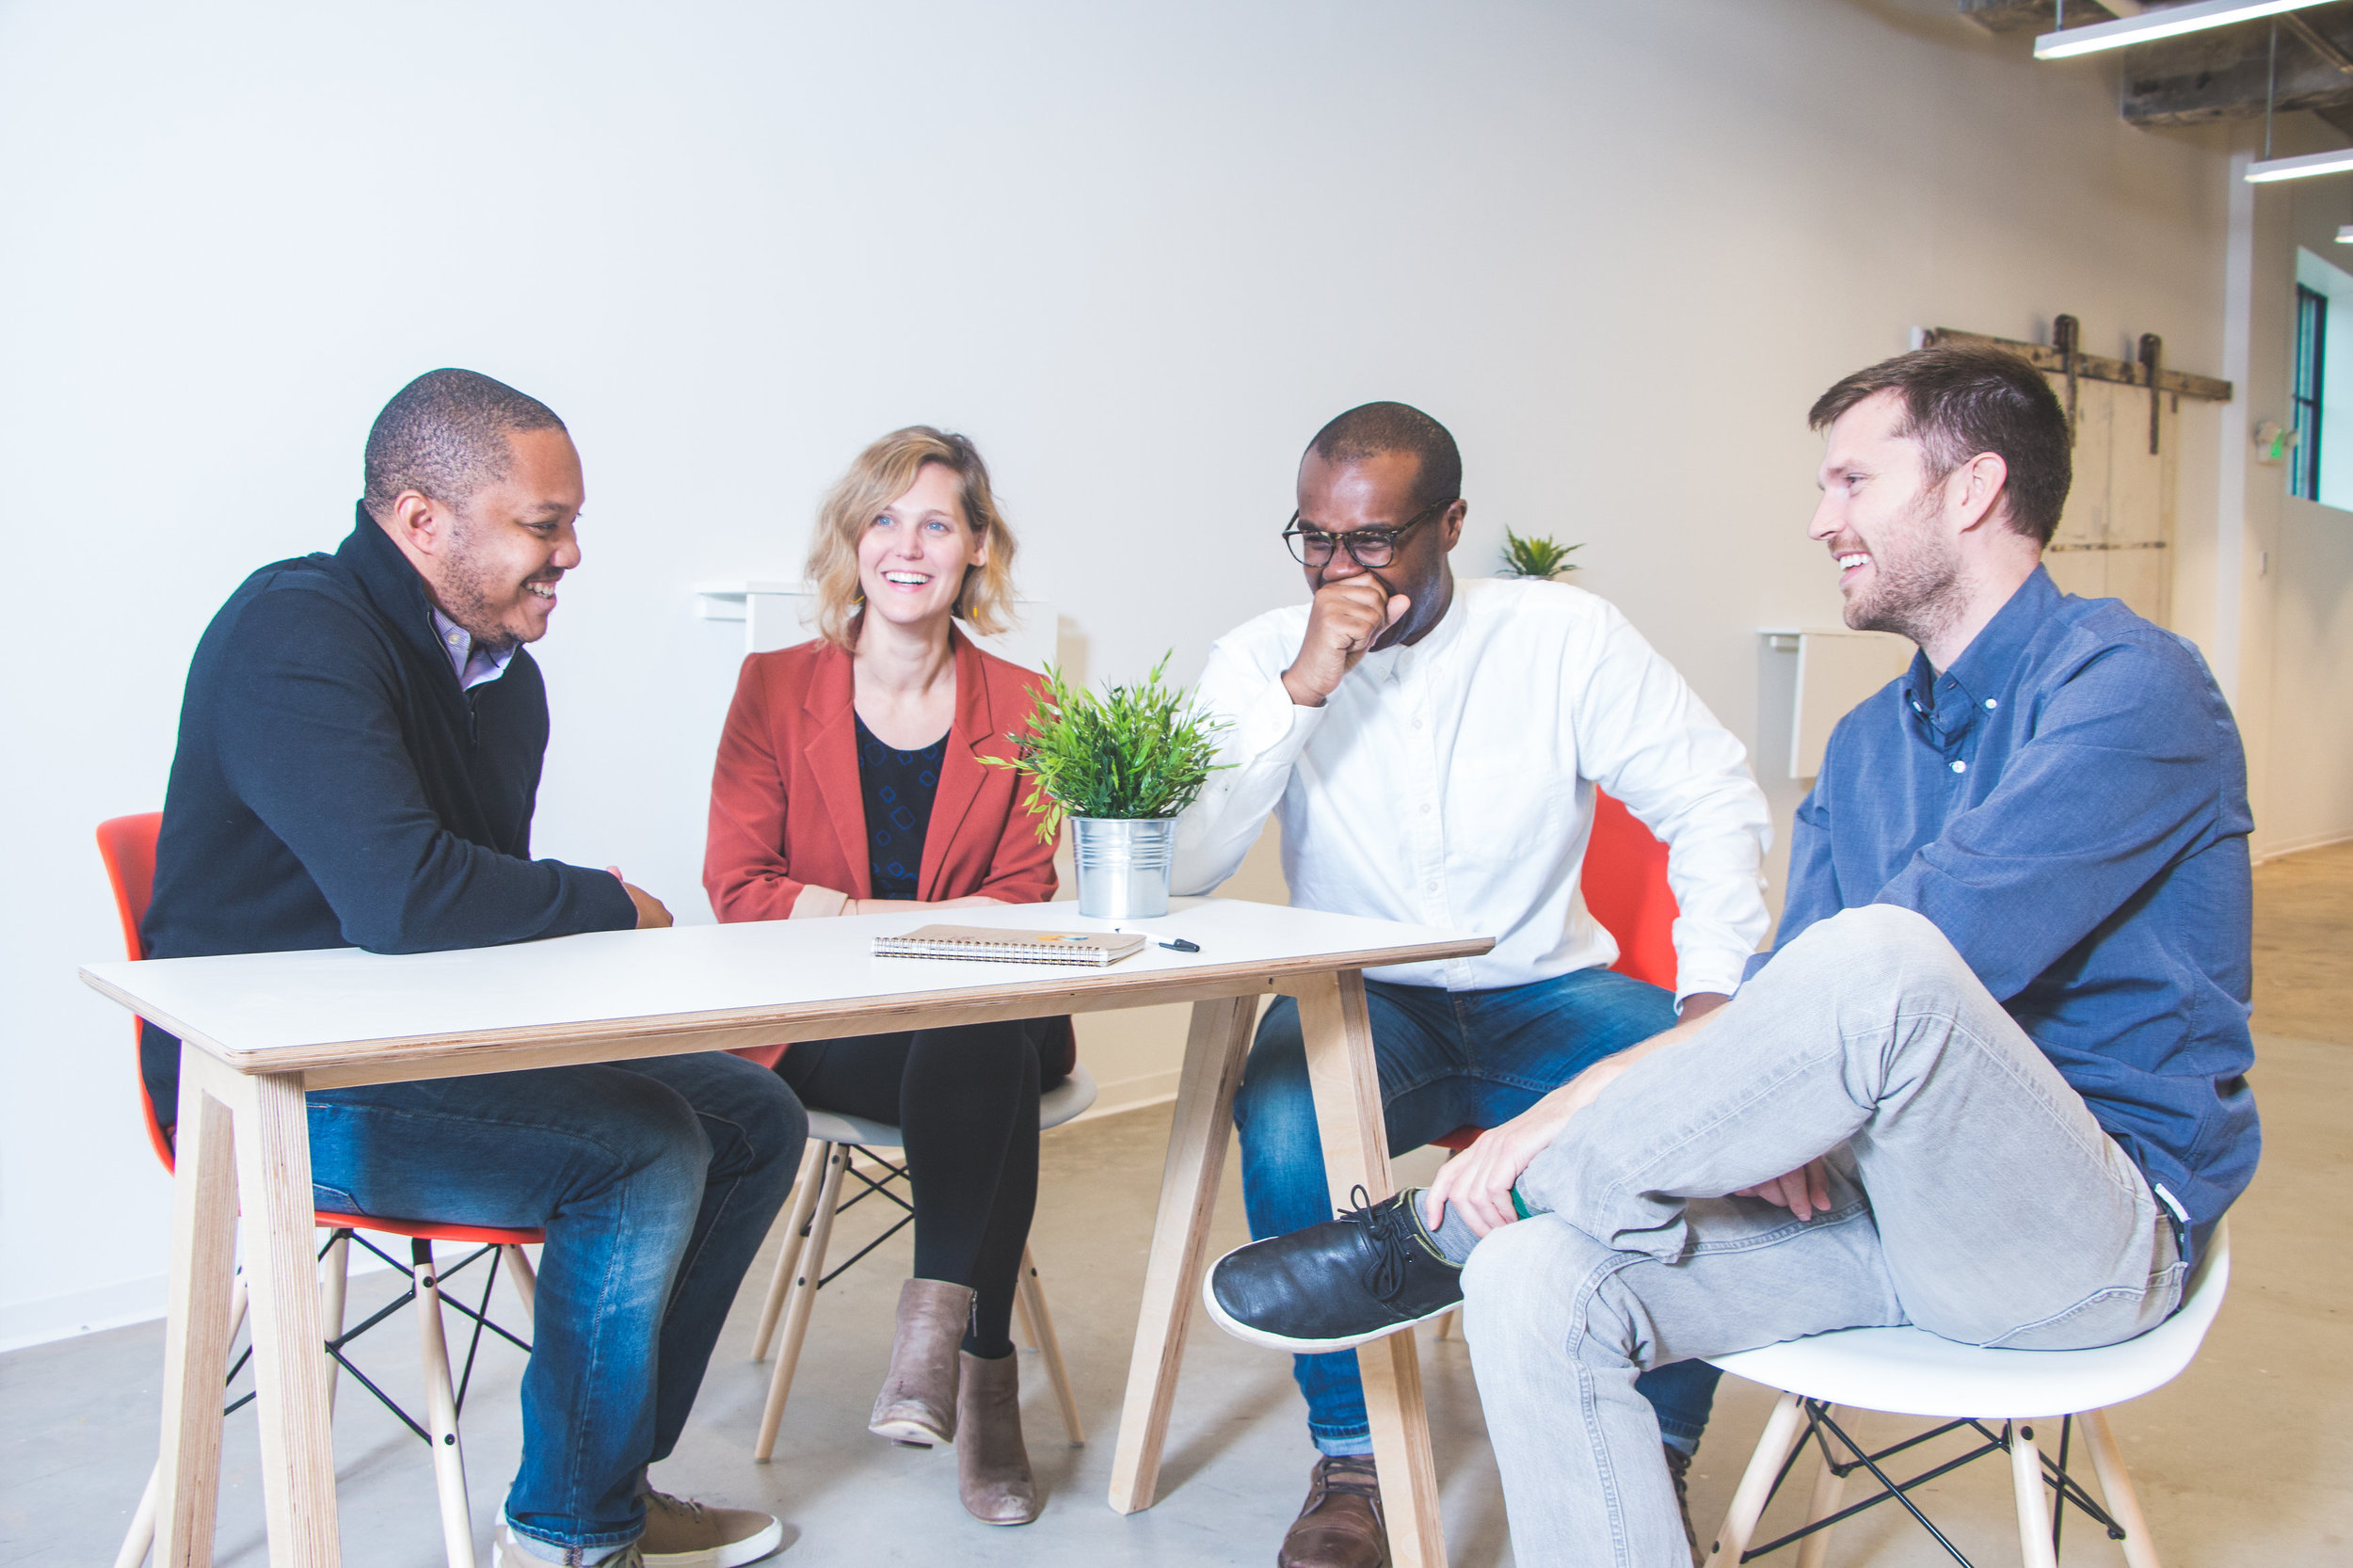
(918, 1401)
(992, 1462)
(1341, 1525)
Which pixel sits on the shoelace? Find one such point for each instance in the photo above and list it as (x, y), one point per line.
(692, 1509)
(1389, 1274)
(1351, 1475)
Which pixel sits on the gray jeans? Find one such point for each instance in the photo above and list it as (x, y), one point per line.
(1973, 1194)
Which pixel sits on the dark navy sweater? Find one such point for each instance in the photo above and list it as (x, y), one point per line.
(334, 786)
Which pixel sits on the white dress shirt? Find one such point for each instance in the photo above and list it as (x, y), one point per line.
(1451, 784)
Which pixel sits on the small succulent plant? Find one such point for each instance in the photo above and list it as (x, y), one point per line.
(1535, 557)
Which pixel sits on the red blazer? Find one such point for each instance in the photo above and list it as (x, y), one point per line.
(787, 814)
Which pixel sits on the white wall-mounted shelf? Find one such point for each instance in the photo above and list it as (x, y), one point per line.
(778, 613)
(1837, 669)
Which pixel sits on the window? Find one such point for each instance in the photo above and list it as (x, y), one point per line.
(2311, 331)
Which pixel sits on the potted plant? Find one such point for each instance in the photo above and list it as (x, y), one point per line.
(1535, 557)
(1119, 767)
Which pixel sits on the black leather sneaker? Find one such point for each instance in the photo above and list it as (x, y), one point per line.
(1335, 1285)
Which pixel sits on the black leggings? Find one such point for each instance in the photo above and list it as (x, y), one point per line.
(966, 1102)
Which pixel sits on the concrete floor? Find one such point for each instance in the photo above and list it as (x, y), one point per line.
(2240, 1461)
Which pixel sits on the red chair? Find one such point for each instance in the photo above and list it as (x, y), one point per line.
(1626, 890)
(127, 845)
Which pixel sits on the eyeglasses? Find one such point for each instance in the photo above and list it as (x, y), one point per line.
(1366, 547)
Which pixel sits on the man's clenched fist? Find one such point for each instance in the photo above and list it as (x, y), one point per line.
(1344, 621)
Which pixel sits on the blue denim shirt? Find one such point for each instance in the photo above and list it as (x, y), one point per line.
(2068, 804)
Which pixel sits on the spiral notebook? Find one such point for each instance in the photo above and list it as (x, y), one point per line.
(1094, 947)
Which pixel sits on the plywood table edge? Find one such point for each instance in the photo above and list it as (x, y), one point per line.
(1098, 991)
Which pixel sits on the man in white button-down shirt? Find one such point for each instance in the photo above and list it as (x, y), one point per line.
(1431, 749)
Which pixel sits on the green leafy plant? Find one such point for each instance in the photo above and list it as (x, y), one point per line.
(1535, 557)
(1135, 751)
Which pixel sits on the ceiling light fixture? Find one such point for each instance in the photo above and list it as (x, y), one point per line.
(2339, 161)
(2150, 26)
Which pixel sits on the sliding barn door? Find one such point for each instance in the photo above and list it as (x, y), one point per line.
(2115, 539)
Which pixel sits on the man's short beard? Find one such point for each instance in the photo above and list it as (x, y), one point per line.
(1918, 596)
(468, 588)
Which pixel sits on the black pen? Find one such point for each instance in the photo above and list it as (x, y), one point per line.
(1179, 945)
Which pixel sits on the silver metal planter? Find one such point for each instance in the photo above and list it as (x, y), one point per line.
(1124, 865)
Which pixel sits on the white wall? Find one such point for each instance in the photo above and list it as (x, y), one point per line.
(2300, 587)
(1140, 253)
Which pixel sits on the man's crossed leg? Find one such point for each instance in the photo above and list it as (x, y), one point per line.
(1971, 1192)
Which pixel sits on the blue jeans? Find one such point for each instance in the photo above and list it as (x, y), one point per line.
(1448, 1059)
(655, 1180)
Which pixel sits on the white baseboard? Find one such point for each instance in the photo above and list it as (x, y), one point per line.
(47, 1318)
(1130, 1093)
(76, 1312)
(2298, 846)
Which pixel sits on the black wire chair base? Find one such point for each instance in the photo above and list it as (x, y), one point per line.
(1820, 1429)
(875, 1188)
(420, 1257)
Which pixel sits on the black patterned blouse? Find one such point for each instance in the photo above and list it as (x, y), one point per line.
(898, 787)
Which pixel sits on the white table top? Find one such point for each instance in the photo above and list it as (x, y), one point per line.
(248, 1007)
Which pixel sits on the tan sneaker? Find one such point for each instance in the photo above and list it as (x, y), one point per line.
(506, 1553)
(680, 1533)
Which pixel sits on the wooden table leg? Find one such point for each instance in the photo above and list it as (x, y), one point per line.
(273, 1140)
(1214, 1049)
(1339, 1036)
(198, 1327)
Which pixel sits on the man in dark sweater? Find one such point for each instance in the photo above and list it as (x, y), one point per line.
(360, 753)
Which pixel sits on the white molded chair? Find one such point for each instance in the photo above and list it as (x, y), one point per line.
(833, 1140)
(1909, 1371)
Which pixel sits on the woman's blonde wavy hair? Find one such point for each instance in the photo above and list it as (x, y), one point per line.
(882, 474)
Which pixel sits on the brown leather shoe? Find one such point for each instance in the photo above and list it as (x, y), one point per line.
(1341, 1525)
(917, 1402)
(992, 1462)
(1679, 1466)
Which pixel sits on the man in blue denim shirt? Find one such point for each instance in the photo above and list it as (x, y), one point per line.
(1990, 1082)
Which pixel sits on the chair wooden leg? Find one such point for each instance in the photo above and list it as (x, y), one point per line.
(440, 1412)
(1830, 1488)
(810, 1270)
(796, 1217)
(334, 1285)
(2115, 1485)
(1023, 1324)
(1782, 1431)
(526, 1283)
(142, 1532)
(1032, 1297)
(2034, 1512)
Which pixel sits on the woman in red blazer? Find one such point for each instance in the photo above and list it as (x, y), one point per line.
(850, 781)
